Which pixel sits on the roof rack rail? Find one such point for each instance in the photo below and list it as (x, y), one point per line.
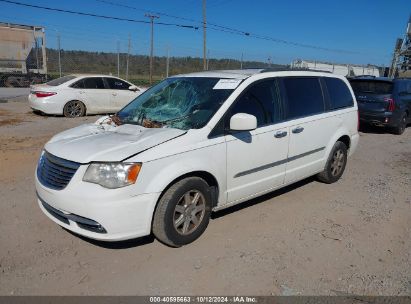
(362, 76)
(291, 69)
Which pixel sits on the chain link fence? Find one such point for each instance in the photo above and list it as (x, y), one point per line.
(134, 68)
(123, 63)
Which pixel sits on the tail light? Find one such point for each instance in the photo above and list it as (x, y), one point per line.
(391, 104)
(40, 94)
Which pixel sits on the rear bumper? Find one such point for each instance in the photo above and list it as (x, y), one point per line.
(382, 119)
(46, 105)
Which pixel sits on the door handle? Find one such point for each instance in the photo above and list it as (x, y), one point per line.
(280, 134)
(114, 94)
(298, 130)
(81, 92)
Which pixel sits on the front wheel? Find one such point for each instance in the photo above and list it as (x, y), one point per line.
(183, 212)
(335, 165)
(74, 108)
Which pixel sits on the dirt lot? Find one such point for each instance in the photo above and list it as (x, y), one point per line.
(352, 237)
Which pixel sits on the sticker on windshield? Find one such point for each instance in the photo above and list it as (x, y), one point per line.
(227, 84)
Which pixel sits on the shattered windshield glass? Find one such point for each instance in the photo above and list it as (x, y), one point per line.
(181, 102)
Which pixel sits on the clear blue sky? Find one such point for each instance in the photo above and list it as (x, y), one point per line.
(368, 28)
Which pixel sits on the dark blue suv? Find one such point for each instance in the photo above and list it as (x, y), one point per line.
(383, 101)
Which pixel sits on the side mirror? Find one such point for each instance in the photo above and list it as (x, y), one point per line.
(133, 88)
(243, 122)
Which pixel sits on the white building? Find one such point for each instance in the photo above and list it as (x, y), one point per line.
(337, 68)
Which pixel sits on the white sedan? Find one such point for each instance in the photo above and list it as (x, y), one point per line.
(78, 95)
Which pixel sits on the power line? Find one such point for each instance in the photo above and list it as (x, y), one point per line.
(214, 26)
(217, 27)
(230, 30)
(97, 16)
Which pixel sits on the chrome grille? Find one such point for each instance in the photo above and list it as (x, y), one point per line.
(55, 172)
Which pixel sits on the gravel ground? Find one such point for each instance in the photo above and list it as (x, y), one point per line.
(351, 237)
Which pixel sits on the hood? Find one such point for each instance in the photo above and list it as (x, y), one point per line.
(96, 142)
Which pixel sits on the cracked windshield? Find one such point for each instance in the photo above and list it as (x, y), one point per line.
(181, 103)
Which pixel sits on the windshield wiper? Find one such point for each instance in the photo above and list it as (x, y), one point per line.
(148, 123)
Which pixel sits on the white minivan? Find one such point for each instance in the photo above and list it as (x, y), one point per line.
(194, 144)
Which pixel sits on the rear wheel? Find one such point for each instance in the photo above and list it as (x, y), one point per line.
(9, 83)
(400, 128)
(183, 212)
(74, 108)
(335, 165)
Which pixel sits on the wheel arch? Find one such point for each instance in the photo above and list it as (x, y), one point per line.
(342, 135)
(205, 175)
(345, 139)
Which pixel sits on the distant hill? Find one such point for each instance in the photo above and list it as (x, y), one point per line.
(106, 63)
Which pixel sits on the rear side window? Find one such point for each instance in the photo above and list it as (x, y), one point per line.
(340, 95)
(93, 83)
(78, 84)
(117, 84)
(371, 87)
(404, 87)
(304, 96)
(408, 87)
(260, 100)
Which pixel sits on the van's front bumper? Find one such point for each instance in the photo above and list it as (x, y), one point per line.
(98, 216)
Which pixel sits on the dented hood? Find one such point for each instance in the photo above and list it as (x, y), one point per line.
(92, 142)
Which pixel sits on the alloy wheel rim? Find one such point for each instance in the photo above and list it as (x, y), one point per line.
(74, 109)
(337, 162)
(189, 212)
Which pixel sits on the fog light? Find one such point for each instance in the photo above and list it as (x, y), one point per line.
(386, 120)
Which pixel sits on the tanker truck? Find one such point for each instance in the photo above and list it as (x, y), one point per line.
(22, 55)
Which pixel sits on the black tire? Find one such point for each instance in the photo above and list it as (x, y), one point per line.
(402, 124)
(37, 112)
(335, 166)
(74, 108)
(168, 228)
(8, 83)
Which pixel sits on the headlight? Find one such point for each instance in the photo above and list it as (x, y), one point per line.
(112, 175)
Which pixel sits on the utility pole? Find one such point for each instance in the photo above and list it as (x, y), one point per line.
(241, 65)
(128, 55)
(37, 53)
(208, 59)
(204, 36)
(58, 46)
(152, 17)
(168, 61)
(118, 58)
